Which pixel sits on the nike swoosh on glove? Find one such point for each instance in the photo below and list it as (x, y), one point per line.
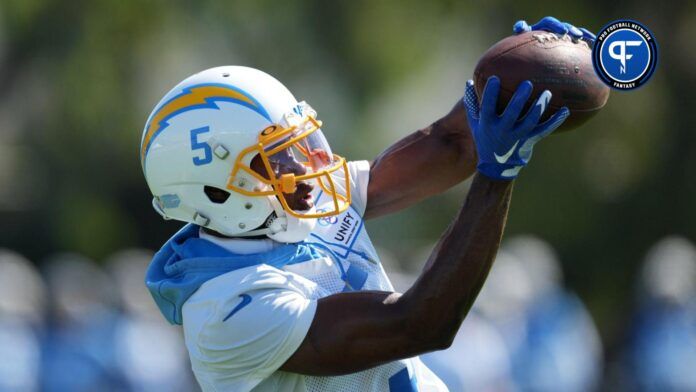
(504, 143)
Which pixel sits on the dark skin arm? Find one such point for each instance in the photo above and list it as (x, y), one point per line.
(445, 150)
(359, 330)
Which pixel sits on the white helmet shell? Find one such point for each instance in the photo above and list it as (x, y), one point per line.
(192, 138)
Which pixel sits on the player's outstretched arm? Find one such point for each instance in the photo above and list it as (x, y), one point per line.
(359, 330)
(424, 163)
(432, 160)
(355, 331)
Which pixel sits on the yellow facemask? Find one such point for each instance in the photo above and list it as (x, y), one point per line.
(303, 143)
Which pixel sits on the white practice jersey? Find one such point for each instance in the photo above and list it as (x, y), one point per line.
(240, 327)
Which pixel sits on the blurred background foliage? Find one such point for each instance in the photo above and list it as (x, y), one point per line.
(78, 79)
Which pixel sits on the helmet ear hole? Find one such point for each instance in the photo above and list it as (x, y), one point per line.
(216, 195)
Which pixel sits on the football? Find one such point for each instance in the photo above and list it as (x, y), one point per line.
(551, 62)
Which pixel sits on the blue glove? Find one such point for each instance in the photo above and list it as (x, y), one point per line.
(503, 143)
(554, 25)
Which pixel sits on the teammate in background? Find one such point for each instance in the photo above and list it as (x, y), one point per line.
(662, 341)
(274, 279)
(22, 322)
(552, 339)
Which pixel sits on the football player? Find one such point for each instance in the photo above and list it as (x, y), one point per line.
(274, 278)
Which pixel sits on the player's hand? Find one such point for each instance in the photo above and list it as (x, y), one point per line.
(554, 25)
(504, 143)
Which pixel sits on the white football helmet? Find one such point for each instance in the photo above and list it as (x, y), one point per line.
(205, 132)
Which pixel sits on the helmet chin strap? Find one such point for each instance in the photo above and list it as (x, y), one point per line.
(254, 233)
(287, 228)
(283, 227)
